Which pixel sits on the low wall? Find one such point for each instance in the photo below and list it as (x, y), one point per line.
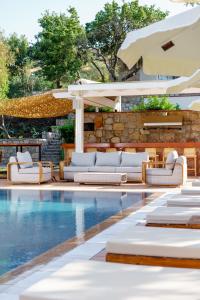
(128, 127)
(11, 151)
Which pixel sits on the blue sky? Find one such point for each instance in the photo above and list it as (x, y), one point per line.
(21, 16)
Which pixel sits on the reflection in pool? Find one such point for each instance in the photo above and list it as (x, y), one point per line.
(34, 221)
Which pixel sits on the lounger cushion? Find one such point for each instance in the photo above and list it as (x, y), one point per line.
(24, 157)
(92, 280)
(171, 159)
(83, 159)
(196, 183)
(158, 242)
(108, 159)
(174, 215)
(159, 172)
(184, 200)
(133, 159)
(191, 191)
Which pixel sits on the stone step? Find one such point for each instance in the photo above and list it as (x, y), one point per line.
(54, 143)
(50, 157)
(51, 153)
(51, 150)
(52, 147)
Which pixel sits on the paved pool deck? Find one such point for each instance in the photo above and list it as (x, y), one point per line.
(71, 186)
(89, 249)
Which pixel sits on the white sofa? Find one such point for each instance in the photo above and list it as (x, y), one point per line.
(22, 169)
(172, 173)
(101, 162)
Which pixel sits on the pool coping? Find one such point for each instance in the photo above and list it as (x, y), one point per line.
(65, 247)
(71, 186)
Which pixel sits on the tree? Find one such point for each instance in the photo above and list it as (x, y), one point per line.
(24, 77)
(108, 30)
(19, 68)
(19, 47)
(5, 59)
(57, 47)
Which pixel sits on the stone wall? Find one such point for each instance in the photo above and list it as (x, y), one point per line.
(11, 151)
(128, 127)
(50, 149)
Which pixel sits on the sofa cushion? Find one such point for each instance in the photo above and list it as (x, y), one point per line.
(180, 169)
(102, 169)
(129, 169)
(159, 172)
(108, 159)
(34, 170)
(171, 159)
(133, 159)
(83, 159)
(75, 169)
(24, 157)
(13, 168)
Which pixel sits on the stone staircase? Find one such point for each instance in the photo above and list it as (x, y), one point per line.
(51, 150)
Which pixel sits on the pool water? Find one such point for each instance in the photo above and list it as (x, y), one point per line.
(34, 221)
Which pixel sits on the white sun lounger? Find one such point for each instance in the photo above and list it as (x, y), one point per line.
(156, 246)
(196, 183)
(182, 217)
(91, 280)
(191, 191)
(184, 201)
(181, 196)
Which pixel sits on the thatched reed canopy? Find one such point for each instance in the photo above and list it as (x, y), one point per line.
(37, 106)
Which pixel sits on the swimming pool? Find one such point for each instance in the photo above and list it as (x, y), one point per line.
(34, 221)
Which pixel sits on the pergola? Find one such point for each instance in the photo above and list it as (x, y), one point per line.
(109, 94)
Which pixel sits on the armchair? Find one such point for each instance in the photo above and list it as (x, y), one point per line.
(170, 174)
(29, 172)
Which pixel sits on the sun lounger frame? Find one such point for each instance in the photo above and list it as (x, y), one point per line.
(153, 261)
(184, 226)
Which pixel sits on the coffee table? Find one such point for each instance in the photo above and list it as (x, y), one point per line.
(100, 178)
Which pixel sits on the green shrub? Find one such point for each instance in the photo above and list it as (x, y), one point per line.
(91, 108)
(67, 132)
(156, 103)
(105, 109)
